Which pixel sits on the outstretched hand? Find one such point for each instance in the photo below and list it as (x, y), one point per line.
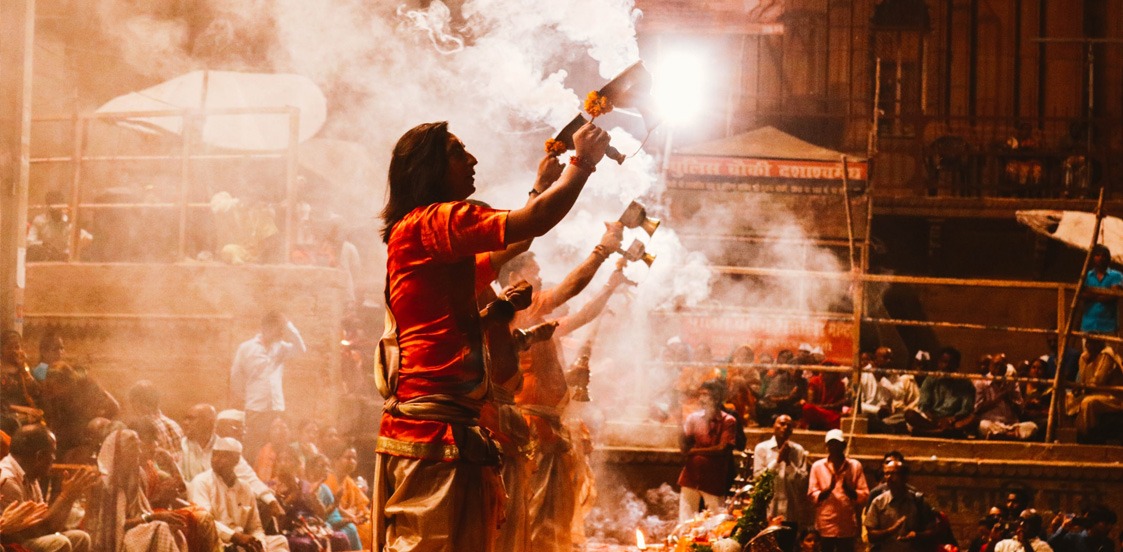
(549, 170)
(21, 515)
(590, 143)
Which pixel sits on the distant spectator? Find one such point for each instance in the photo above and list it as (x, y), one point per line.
(781, 391)
(1038, 396)
(1070, 365)
(838, 490)
(789, 461)
(946, 404)
(1101, 309)
(998, 405)
(70, 401)
(1099, 365)
(51, 350)
(144, 400)
(889, 458)
(884, 397)
(257, 373)
(267, 456)
(900, 519)
(48, 238)
(18, 390)
(826, 398)
(1026, 537)
(1089, 533)
(707, 443)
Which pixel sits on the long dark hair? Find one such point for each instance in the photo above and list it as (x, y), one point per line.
(418, 170)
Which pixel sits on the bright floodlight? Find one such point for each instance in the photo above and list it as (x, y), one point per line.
(677, 86)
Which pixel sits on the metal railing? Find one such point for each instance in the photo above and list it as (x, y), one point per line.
(192, 125)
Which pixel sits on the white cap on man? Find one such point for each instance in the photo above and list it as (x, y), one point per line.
(227, 444)
(836, 435)
(234, 415)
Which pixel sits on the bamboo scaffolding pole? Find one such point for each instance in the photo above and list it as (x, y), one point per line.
(121, 206)
(79, 130)
(958, 325)
(1062, 341)
(127, 316)
(767, 239)
(849, 216)
(888, 278)
(166, 113)
(169, 157)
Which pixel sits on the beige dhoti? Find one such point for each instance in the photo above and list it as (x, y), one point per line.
(552, 498)
(1091, 408)
(433, 506)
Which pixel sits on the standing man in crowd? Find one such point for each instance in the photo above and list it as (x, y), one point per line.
(1101, 310)
(899, 519)
(708, 442)
(257, 375)
(789, 460)
(838, 490)
(436, 483)
(29, 460)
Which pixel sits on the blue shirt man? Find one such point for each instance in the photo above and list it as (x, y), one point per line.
(1101, 311)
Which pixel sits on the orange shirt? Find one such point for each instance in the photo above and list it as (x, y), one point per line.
(431, 280)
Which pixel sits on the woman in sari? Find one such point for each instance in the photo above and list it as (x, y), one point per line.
(166, 490)
(318, 472)
(302, 507)
(353, 502)
(120, 518)
(267, 456)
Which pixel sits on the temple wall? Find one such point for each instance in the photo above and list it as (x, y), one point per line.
(179, 326)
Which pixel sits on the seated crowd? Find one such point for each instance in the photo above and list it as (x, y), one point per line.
(827, 504)
(79, 471)
(993, 399)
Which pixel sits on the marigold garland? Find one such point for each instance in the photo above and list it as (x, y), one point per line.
(597, 105)
(555, 147)
(754, 519)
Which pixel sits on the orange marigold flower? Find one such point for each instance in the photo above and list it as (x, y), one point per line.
(597, 105)
(555, 147)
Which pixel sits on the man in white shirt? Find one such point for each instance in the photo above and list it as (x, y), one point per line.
(231, 502)
(1025, 536)
(885, 398)
(205, 429)
(789, 460)
(258, 372)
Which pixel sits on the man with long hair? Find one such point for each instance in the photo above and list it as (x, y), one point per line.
(436, 482)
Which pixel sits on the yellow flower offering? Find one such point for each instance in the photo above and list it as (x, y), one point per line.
(597, 105)
(555, 147)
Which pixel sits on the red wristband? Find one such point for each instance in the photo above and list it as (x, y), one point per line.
(577, 161)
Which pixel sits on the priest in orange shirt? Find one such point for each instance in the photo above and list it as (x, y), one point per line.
(436, 481)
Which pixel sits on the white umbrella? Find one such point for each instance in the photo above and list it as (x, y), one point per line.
(1075, 229)
(223, 90)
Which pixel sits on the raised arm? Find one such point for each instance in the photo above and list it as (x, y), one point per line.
(547, 209)
(593, 308)
(549, 170)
